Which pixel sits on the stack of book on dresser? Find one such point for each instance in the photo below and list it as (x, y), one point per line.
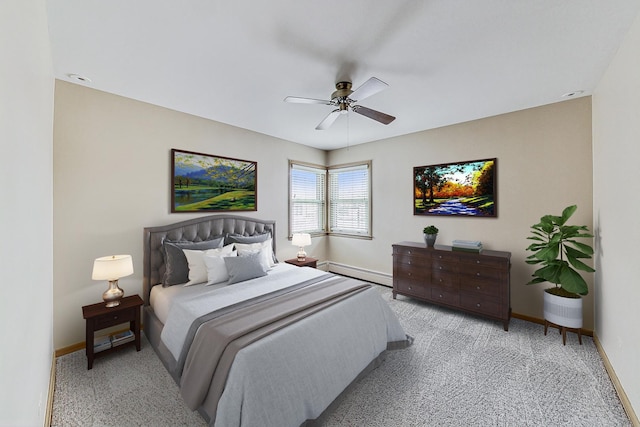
(106, 342)
(467, 246)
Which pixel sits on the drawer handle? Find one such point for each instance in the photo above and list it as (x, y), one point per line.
(440, 267)
(409, 274)
(477, 261)
(409, 262)
(115, 317)
(440, 295)
(478, 287)
(409, 287)
(477, 274)
(440, 280)
(478, 305)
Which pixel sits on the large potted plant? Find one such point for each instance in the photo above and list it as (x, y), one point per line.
(558, 253)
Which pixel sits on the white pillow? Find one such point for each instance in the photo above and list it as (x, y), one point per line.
(216, 268)
(265, 249)
(197, 267)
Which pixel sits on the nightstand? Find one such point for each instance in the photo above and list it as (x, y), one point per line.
(308, 262)
(98, 316)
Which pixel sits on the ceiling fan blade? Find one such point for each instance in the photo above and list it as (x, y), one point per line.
(373, 114)
(299, 100)
(328, 121)
(368, 88)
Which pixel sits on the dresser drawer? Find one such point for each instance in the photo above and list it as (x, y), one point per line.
(403, 271)
(480, 272)
(446, 256)
(485, 261)
(411, 256)
(445, 297)
(412, 287)
(443, 279)
(444, 266)
(481, 304)
(112, 319)
(480, 286)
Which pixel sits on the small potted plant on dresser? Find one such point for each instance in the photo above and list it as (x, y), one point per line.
(430, 235)
(559, 256)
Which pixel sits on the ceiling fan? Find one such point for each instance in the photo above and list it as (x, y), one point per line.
(344, 98)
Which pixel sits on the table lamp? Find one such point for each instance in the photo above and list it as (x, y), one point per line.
(112, 268)
(301, 240)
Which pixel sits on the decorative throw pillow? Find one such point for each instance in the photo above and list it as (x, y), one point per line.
(197, 267)
(264, 249)
(256, 238)
(216, 268)
(243, 268)
(175, 263)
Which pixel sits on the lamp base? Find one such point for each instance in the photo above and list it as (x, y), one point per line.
(113, 295)
(302, 255)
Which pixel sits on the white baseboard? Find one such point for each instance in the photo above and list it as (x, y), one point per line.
(359, 273)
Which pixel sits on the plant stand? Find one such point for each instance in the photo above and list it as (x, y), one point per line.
(563, 330)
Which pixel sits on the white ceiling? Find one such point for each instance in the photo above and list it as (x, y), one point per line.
(234, 61)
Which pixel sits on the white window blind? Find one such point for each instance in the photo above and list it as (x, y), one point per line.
(307, 201)
(349, 200)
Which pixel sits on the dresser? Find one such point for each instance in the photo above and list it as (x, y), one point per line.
(477, 283)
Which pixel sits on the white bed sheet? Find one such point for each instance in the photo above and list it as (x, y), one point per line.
(181, 306)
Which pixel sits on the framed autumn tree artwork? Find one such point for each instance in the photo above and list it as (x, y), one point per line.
(206, 183)
(456, 189)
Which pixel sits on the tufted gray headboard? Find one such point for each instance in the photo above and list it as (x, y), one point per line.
(194, 230)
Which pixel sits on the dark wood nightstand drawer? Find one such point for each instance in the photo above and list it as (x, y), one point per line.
(112, 319)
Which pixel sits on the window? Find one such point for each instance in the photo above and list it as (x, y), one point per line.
(349, 200)
(307, 201)
(334, 200)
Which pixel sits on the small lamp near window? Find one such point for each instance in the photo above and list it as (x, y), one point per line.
(112, 268)
(301, 240)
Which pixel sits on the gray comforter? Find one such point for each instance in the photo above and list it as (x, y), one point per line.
(282, 359)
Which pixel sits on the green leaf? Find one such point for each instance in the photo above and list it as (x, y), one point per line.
(583, 247)
(567, 212)
(575, 253)
(548, 254)
(576, 263)
(572, 281)
(535, 281)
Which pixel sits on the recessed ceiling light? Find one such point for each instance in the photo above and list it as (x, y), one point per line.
(79, 78)
(573, 94)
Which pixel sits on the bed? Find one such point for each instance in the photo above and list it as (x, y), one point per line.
(270, 348)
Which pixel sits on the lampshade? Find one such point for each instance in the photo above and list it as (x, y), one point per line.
(112, 267)
(301, 239)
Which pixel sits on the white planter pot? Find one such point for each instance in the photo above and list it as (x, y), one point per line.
(563, 311)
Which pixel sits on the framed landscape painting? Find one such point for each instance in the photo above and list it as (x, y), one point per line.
(207, 183)
(456, 189)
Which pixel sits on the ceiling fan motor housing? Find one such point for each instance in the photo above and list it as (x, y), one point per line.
(343, 90)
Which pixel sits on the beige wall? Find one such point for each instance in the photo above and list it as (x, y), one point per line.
(544, 164)
(26, 167)
(112, 179)
(616, 146)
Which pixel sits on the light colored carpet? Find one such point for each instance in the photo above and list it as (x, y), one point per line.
(460, 371)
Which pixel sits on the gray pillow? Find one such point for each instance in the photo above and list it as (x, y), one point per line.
(241, 268)
(256, 238)
(176, 267)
